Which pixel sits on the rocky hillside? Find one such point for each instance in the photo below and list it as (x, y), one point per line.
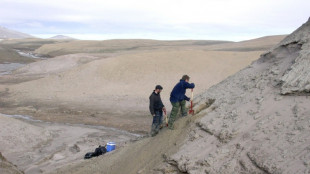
(260, 120)
(11, 34)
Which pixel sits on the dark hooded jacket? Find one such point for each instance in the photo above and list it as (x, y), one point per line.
(155, 103)
(178, 92)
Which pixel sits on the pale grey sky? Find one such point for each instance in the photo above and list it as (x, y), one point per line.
(161, 19)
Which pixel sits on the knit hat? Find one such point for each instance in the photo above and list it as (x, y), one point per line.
(158, 87)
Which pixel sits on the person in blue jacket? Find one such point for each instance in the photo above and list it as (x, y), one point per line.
(178, 99)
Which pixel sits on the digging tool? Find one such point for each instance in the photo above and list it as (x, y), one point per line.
(191, 111)
(166, 118)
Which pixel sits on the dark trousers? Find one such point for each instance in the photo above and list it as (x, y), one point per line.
(175, 109)
(157, 121)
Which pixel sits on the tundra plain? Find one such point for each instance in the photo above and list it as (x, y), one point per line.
(63, 85)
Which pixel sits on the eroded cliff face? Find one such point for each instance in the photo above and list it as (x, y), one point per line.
(254, 126)
(297, 78)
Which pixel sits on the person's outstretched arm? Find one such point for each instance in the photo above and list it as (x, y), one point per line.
(189, 85)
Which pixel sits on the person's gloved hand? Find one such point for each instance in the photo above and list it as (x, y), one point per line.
(164, 110)
(186, 98)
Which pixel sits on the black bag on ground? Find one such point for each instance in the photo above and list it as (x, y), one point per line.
(98, 151)
(88, 155)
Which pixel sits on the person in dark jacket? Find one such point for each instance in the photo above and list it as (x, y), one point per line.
(156, 108)
(178, 99)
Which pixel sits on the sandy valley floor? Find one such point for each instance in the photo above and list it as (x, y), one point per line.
(76, 88)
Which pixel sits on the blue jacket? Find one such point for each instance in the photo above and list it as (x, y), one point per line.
(178, 92)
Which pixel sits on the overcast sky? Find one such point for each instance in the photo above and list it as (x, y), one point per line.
(158, 19)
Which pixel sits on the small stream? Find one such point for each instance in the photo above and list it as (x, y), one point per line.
(7, 68)
(30, 54)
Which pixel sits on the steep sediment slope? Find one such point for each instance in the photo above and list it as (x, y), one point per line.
(255, 126)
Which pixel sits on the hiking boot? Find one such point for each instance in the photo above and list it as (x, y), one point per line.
(184, 115)
(153, 134)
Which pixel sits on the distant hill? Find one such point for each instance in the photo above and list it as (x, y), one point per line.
(12, 34)
(258, 44)
(116, 45)
(63, 37)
